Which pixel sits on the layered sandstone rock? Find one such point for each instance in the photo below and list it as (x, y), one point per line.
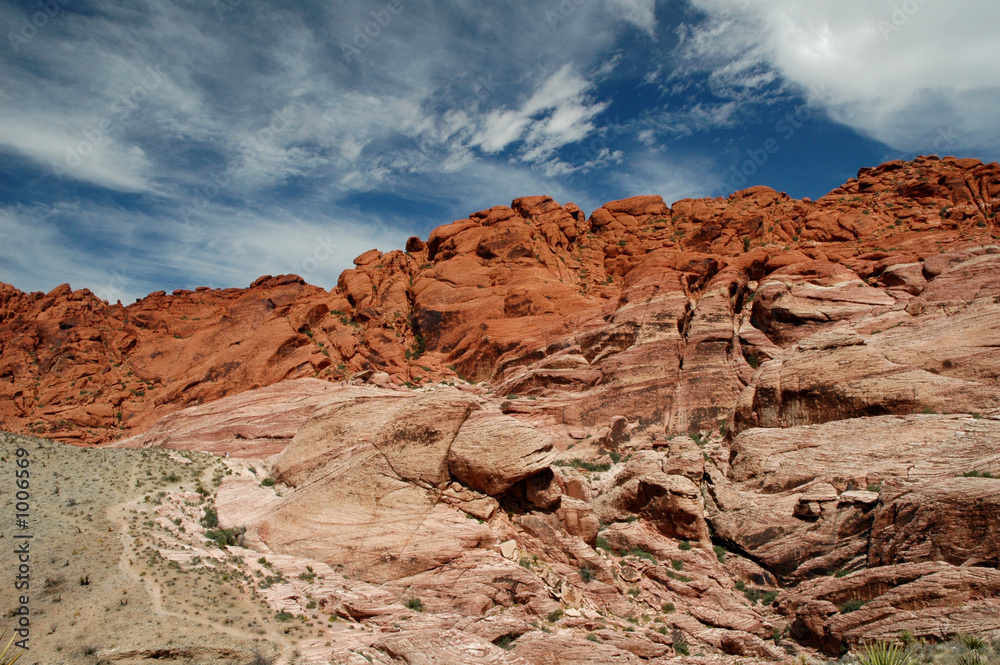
(713, 423)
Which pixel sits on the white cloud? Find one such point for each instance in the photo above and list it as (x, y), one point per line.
(640, 13)
(902, 72)
(558, 113)
(148, 253)
(261, 138)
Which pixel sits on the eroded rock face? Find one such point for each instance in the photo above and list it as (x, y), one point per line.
(908, 522)
(638, 425)
(493, 451)
(635, 310)
(378, 515)
(932, 599)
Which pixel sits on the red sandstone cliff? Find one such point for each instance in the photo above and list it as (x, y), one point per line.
(811, 387)
(635, 306)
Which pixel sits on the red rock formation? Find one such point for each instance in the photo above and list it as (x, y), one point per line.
(633, 306)
(800, 382)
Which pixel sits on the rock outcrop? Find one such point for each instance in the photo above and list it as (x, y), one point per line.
(752, 426)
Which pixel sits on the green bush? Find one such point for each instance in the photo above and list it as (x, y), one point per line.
(415, 604)
(602, 544)
(505, 641)
(852, 605)
(684, 546)
(977, 474)
(267, 482)
(974, 643)
(210, 519)
(643, 554)
(681, 647)
(668, 607)
(224, 537)
(578, 463)
(755, 595)
(587, 573)
(677, 564)
(720, 553)
(554, 616)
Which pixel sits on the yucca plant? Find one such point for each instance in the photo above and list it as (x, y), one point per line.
(974, 643)
(972, 658)
(5, 657)
(884, 653)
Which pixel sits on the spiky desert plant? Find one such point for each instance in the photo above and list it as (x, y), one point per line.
(5, 657)
(973, 642)
(884, 653)
(972, 658)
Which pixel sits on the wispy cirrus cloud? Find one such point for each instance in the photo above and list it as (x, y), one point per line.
(261, 131)
(257, 135)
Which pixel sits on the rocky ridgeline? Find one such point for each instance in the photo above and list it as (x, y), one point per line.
(747, 426)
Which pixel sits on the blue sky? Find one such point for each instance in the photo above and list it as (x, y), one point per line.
(160, 145)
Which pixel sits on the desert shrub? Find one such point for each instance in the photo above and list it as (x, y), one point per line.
(505, 641)
(756, 595)
(211, 518)
(224, 537)
(415, 604)
(578, 463)
(554, 616)
(642, 554)
(267, 482)
(974, 643)
(720, 553)
(884, 653)
(977, 474)
(852, 605)
(684, 546)
(587, 573)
